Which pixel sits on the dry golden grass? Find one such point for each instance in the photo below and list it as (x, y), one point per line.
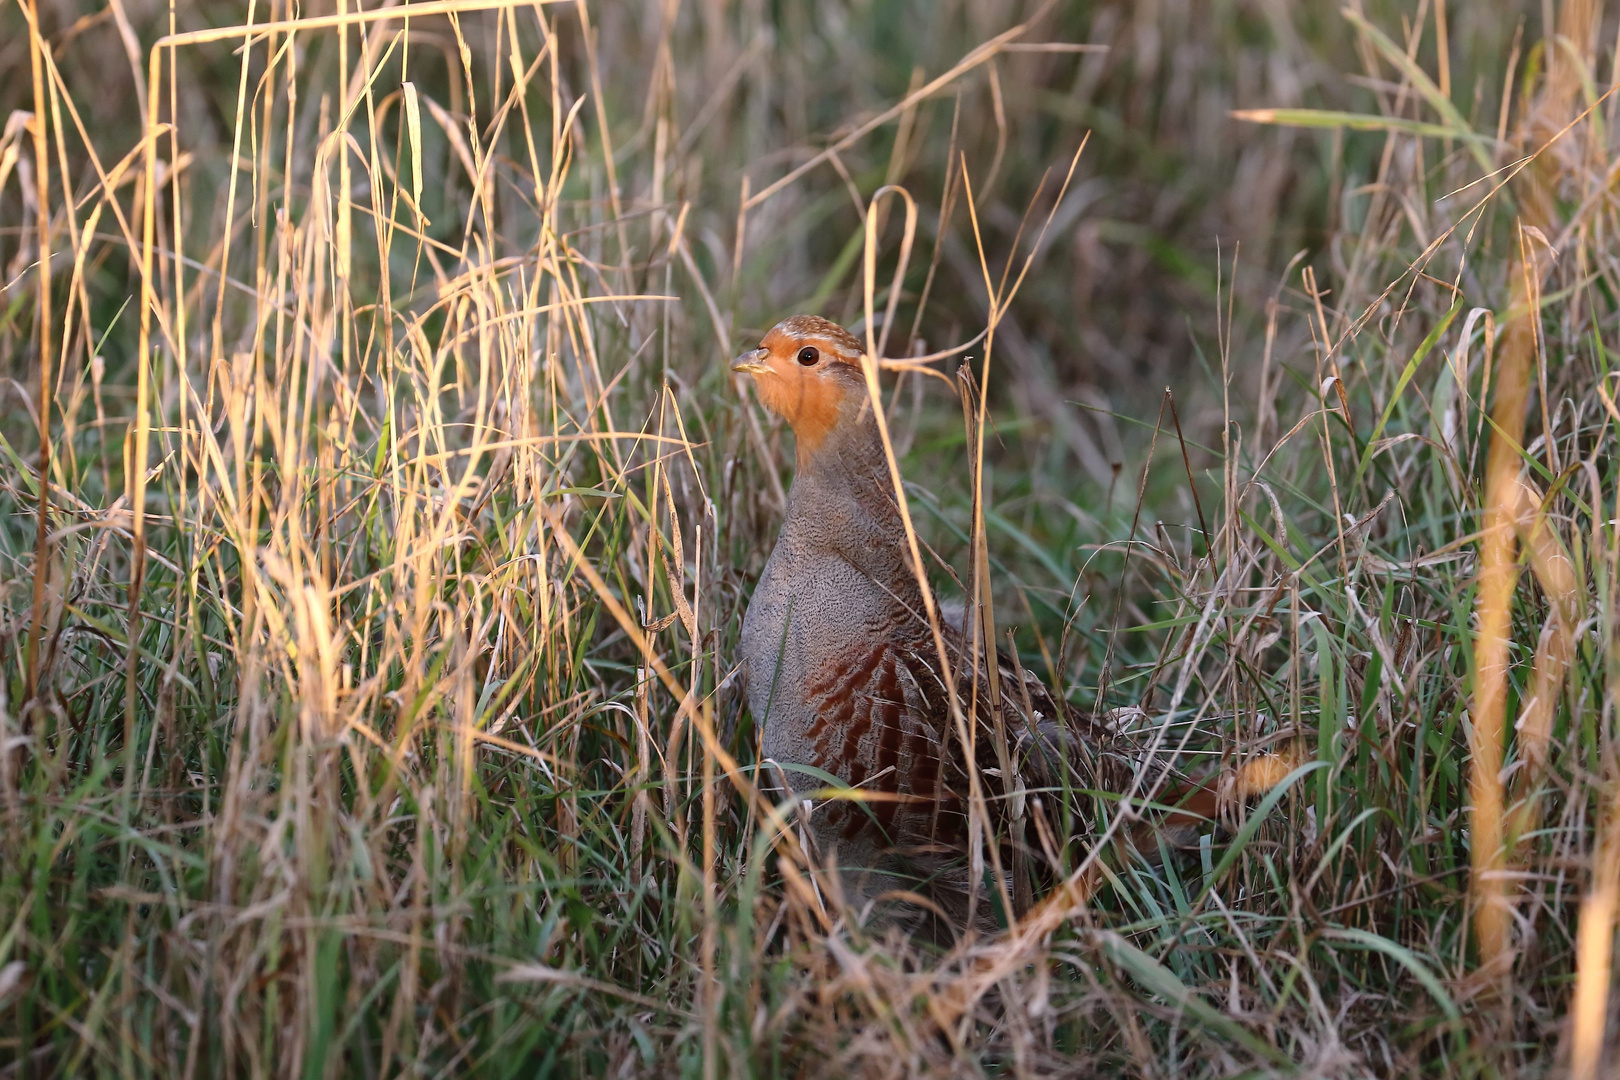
(378, 515)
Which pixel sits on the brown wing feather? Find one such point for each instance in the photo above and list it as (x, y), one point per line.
(883, 724)
(879, 729)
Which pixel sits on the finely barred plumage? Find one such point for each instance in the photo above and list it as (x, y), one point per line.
(842, 669)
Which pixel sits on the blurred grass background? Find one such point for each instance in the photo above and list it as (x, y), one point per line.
(365, 663)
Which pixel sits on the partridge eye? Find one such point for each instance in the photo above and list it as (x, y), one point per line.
(809, 355)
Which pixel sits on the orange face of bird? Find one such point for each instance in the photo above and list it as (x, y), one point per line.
(808, 371)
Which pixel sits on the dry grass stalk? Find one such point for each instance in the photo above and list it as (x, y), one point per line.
(1498, 577)
(1590, 1005)
(1511, 510)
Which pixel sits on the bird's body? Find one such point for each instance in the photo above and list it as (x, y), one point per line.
(842, 665)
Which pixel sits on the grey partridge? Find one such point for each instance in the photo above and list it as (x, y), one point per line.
(842, 671)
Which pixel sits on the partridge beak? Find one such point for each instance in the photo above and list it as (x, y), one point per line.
(747, 365)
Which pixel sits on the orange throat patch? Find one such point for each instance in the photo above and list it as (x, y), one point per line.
(810, 405)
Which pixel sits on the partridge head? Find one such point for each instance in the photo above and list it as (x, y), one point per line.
(807, 370)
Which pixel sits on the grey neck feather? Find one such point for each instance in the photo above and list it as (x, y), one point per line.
(842, 502)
